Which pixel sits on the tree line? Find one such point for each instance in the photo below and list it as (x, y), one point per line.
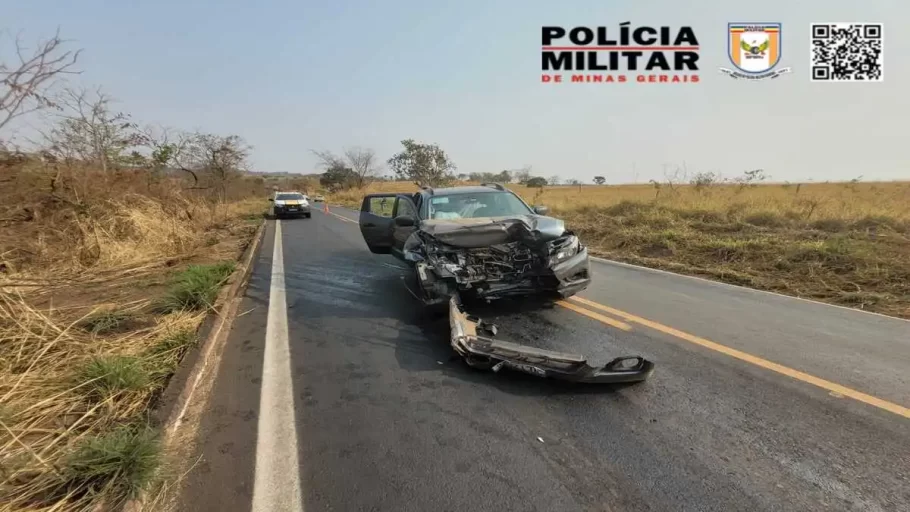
(424, 164)
(81, 126)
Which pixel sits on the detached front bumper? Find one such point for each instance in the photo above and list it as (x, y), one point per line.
(488, 353)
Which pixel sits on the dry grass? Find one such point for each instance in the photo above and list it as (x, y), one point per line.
(104, 281)
(843, 243)
(74, 404)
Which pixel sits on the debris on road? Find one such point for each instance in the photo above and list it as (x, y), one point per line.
(486, 353)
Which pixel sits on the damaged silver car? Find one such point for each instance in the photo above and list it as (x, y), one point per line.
(484, 242)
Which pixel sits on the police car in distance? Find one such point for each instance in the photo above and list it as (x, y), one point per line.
(290, 204)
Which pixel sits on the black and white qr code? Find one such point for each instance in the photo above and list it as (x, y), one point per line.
(851, 52)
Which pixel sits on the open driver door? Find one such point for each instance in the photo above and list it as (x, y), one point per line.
(386, 220)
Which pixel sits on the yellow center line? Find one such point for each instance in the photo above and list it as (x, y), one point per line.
(596, 316)
(749, 358)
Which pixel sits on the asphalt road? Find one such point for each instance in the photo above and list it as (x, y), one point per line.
(335, 388)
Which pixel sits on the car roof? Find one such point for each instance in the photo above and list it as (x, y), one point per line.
(290, 192)
(467, 189)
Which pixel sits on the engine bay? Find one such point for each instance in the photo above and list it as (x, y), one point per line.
(499, 263)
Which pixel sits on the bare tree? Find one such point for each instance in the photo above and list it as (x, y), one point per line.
(704, 180)
(227, 158)
(361, 161)
(24, 84)
(679, 175)
(87, 129)
(521, 175)
(187, 155)
(211, 160)
(161, 146)
(327, 159)
(160, 141)
(337, 175)
(364, 164)
(750, 178)
(555, 179)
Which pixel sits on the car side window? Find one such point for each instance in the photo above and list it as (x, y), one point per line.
(405, 208)
(382, 206)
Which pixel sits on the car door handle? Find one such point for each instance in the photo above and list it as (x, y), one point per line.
(369, 225)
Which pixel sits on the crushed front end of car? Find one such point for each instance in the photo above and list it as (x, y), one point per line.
(498, 258)
(492, 259)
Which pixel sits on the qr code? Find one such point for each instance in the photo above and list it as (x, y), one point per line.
(851, 52)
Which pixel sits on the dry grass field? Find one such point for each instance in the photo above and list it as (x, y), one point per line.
(842, 243)
(104, 280)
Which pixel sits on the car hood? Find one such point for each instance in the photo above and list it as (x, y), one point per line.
(487, 231)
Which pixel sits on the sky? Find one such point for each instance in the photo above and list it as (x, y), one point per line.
(295, 76)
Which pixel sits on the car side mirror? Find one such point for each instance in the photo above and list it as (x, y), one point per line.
(541, 210)
(404, 221)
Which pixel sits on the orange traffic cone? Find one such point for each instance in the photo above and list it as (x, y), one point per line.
(325, 207)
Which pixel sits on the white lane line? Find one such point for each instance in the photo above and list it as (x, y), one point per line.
(277, 482)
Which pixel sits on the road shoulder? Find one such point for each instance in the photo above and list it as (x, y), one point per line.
(186, 404)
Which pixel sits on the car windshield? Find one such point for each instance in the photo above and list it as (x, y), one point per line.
(286, 197)
(481, 204)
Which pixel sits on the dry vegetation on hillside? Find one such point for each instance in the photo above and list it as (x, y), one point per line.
(104, 281)
(843, 243)
(114, 242)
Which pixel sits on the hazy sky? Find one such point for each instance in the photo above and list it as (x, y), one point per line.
(296, 75)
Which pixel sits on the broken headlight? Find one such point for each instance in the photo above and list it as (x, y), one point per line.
(564, 249)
